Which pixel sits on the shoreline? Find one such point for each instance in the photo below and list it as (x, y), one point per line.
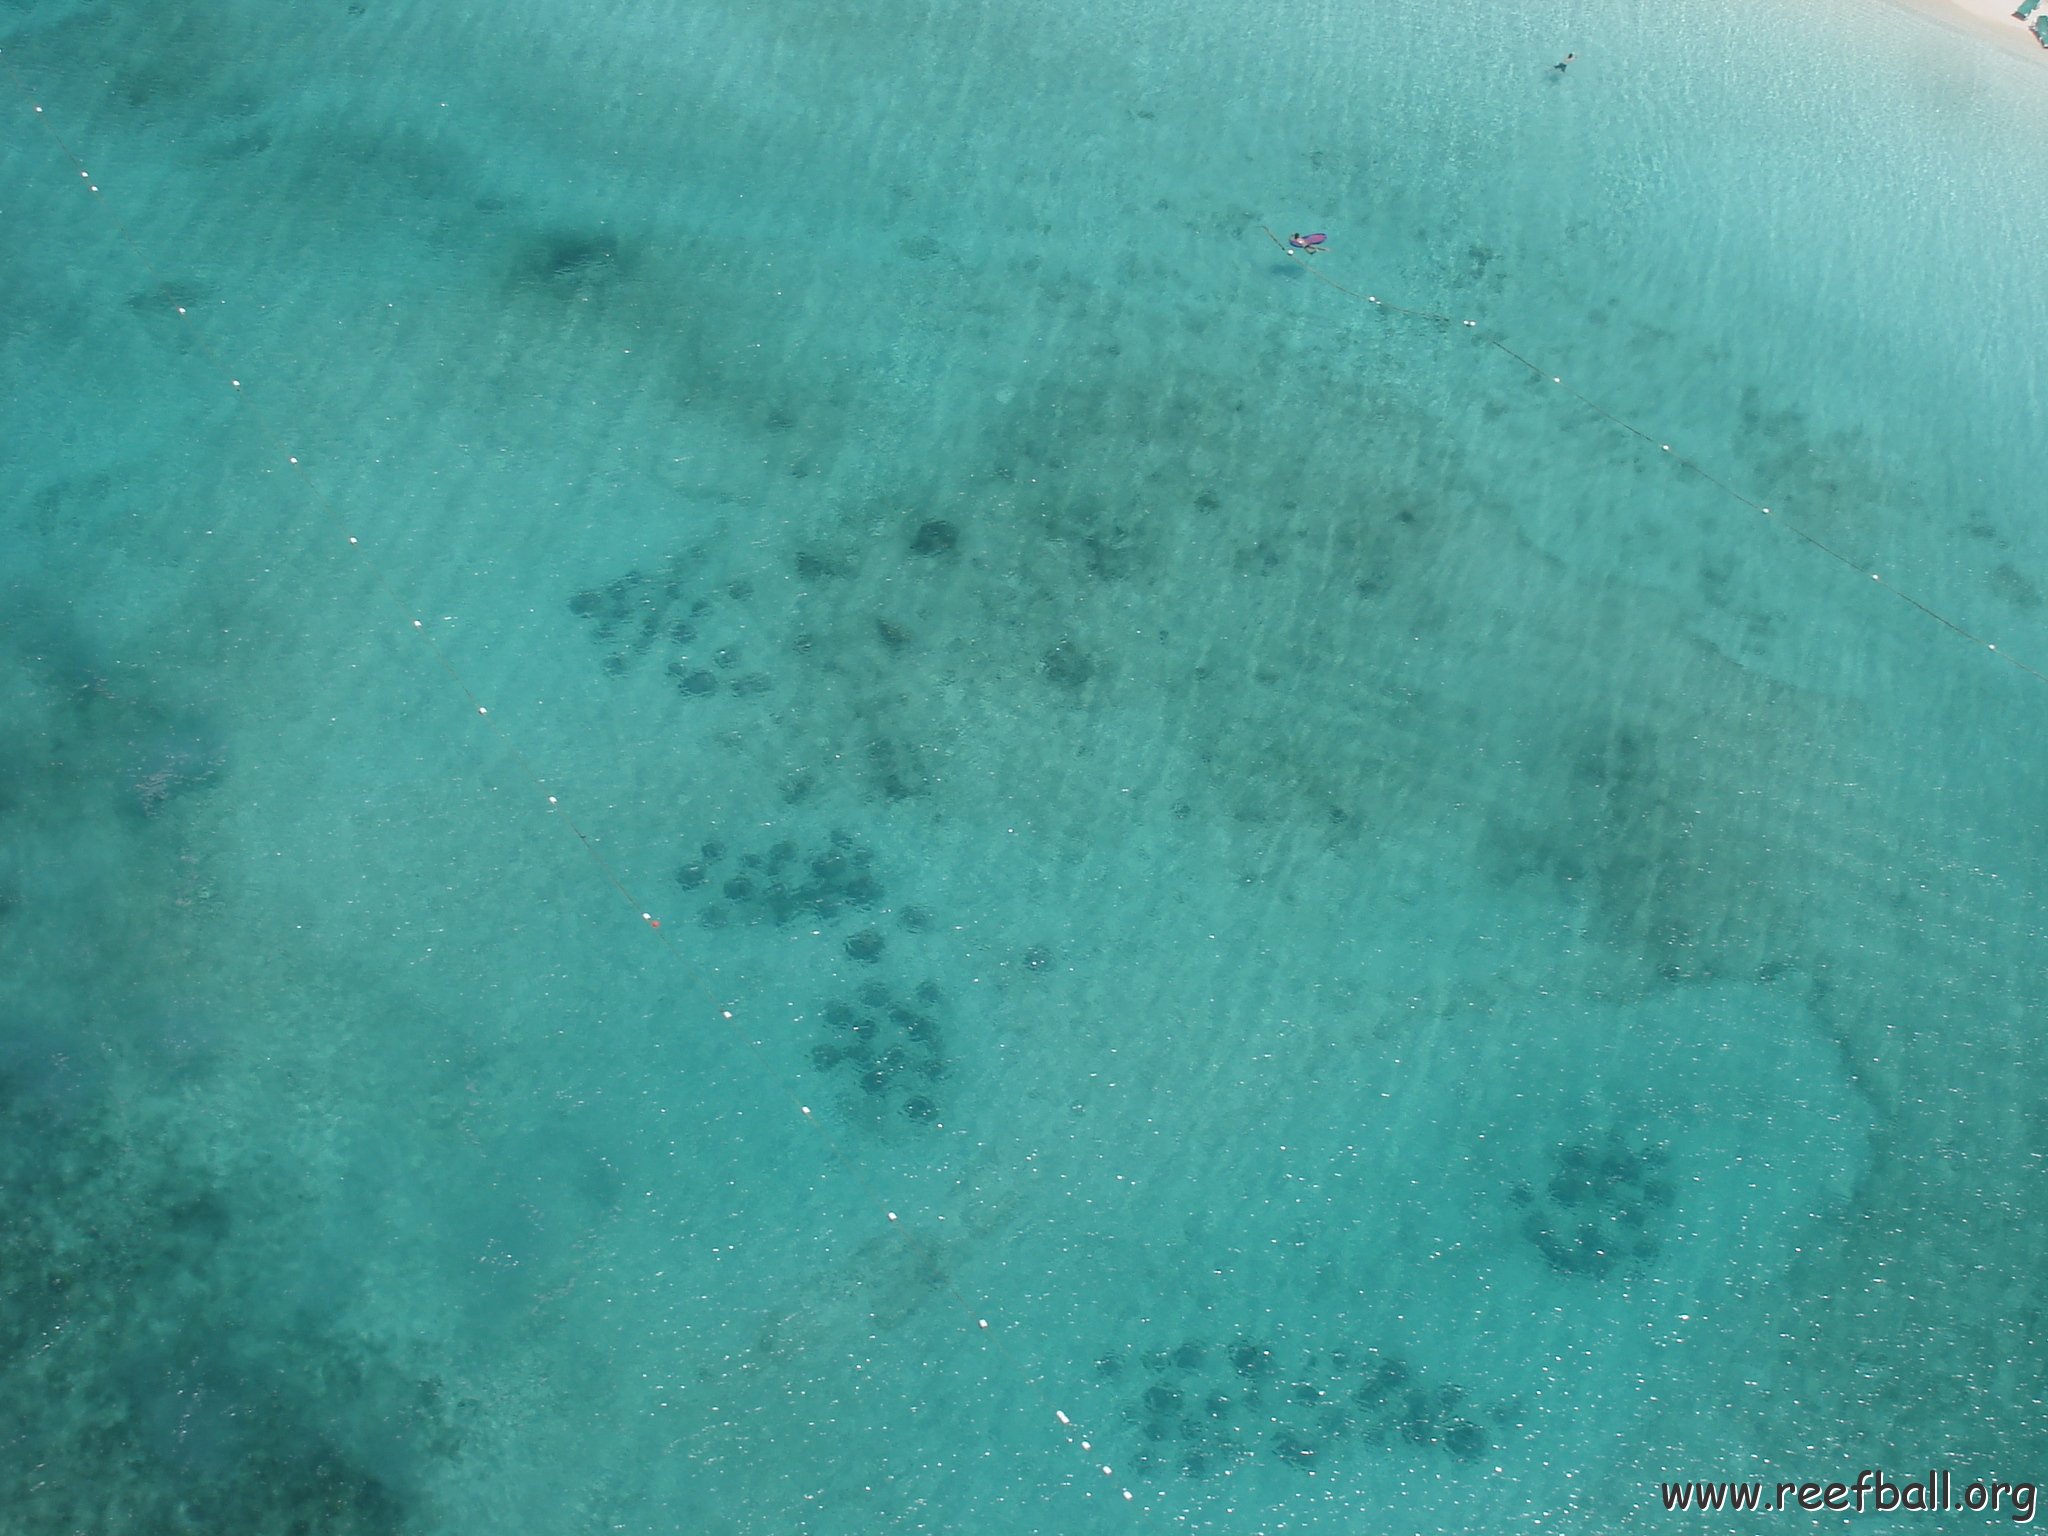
(1992, 19)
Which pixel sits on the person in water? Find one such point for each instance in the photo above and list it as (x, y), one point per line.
(1309, 243)
(1560, 64)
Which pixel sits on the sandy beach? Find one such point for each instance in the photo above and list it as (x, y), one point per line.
(1988, 18)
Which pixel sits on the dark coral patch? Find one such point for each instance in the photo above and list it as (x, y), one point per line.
(935, 537)
(1067, 665)
(870, 1039)
(1597, 1212)
(1333, 1405)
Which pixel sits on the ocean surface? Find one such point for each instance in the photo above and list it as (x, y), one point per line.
(1266, 922)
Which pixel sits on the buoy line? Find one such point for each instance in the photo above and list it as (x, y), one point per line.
(927, 1259)
(1594, 406)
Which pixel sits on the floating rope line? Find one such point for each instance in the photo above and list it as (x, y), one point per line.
(644, 918)
(1298, 257)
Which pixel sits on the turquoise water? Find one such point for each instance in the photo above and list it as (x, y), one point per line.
(1420, 967)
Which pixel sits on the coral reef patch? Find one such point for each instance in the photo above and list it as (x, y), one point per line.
(891, 1047)
(1201, 1407)
(1599, 1211)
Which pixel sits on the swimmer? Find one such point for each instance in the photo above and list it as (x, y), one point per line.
(1309, 243)
(1560, 64)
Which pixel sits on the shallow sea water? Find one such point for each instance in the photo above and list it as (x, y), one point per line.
(1421, 967)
